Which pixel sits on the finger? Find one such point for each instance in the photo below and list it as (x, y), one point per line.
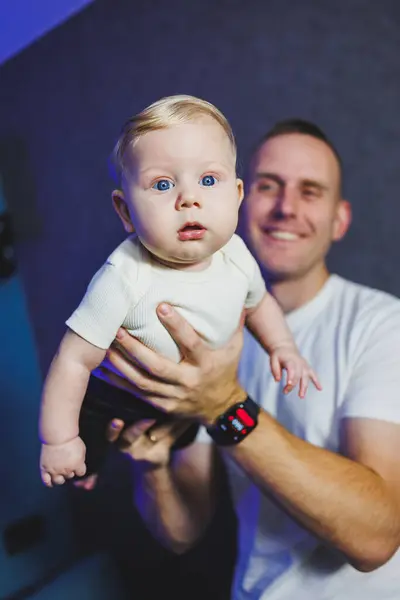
(106, 373)
(170, 428)
(143, 379)
(80, 471)
(135, 431)
(47, 479)
(188, 340)
(149, 360)
(69, 475)
(114, 430)
(276, 369)
(303, 386)
(289, 378)
(58, 479)
(315, 380)
(166, 433)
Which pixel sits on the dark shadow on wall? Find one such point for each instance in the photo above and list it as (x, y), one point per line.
(19, 187)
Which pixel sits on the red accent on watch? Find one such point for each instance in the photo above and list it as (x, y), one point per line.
(245, 417)
(235, 424)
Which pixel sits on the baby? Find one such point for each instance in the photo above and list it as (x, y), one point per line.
(178, 198)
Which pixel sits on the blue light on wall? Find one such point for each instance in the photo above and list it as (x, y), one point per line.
(22, 493)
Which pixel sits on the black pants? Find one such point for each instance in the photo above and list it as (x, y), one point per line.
(101, 404)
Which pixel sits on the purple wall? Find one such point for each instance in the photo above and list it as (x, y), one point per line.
(67, 96)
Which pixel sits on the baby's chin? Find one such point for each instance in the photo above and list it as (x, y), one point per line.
(192, 256)
(184, 263)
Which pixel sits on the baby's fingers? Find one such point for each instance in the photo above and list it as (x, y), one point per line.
(276, 369)
(81, 470)
(292, 377)
(58, 479)
(303, 387)
(46, 479)
(315, 380)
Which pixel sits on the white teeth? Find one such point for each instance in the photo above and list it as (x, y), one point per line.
(283, 235)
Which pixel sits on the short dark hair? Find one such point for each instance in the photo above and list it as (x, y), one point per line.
(302, 127)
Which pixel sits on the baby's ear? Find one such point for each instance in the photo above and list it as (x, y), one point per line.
(122, 210)
(240, 187)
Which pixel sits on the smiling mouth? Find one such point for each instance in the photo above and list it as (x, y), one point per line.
(286, 236)
(191, 231)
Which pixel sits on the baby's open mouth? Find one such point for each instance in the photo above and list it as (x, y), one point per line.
(191, 231)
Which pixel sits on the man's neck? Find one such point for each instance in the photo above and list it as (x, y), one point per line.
(294, 293)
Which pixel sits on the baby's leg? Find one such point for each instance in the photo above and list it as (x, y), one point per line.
(103, 403)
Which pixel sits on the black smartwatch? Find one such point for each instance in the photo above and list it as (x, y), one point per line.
(235, 424)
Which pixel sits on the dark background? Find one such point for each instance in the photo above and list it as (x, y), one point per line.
(63, 101)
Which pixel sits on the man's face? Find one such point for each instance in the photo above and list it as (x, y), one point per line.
(293, 206)
(183, 195)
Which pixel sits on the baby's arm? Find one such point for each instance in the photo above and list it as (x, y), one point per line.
(63, 452)
(267, 323)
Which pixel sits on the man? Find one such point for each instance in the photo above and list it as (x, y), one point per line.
(316, 482)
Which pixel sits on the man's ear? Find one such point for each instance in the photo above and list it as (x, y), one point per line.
(122, 210)
(240, 188)
(342, 220)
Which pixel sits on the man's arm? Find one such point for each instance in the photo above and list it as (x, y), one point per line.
(175, 493)
(177, 502)
(336, 498)
(352, 503)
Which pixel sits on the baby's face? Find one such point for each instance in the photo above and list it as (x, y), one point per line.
(182, 193)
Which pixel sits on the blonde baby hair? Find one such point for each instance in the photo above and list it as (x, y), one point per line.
(167, 112)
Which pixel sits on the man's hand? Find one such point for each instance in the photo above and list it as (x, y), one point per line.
(147, 443)
(202, 386)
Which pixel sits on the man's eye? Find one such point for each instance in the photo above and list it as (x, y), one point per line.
(163, 185)
(208, 180)
(310, 193)
(268, 187)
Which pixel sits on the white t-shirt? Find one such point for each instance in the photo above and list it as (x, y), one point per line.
(129, 286)
(350, 334)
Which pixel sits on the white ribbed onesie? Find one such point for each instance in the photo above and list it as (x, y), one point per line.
(129, 286)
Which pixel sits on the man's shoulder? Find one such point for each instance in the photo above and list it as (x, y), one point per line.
(365, 305)
(365, 295)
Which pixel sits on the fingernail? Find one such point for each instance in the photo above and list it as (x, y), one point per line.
(165, 309)
(115, 425)
(120, 334)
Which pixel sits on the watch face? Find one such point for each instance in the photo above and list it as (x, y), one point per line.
(240, 421)
(234, 425)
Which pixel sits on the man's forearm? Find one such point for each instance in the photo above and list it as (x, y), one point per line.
(174, 502)
(343, 502)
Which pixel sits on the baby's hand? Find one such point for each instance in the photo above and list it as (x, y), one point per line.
(298, 371)
(59, 462)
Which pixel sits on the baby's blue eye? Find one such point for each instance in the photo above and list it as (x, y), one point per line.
(208, 180)
(163, 185)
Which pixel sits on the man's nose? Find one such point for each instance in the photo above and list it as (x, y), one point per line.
(287, 202)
